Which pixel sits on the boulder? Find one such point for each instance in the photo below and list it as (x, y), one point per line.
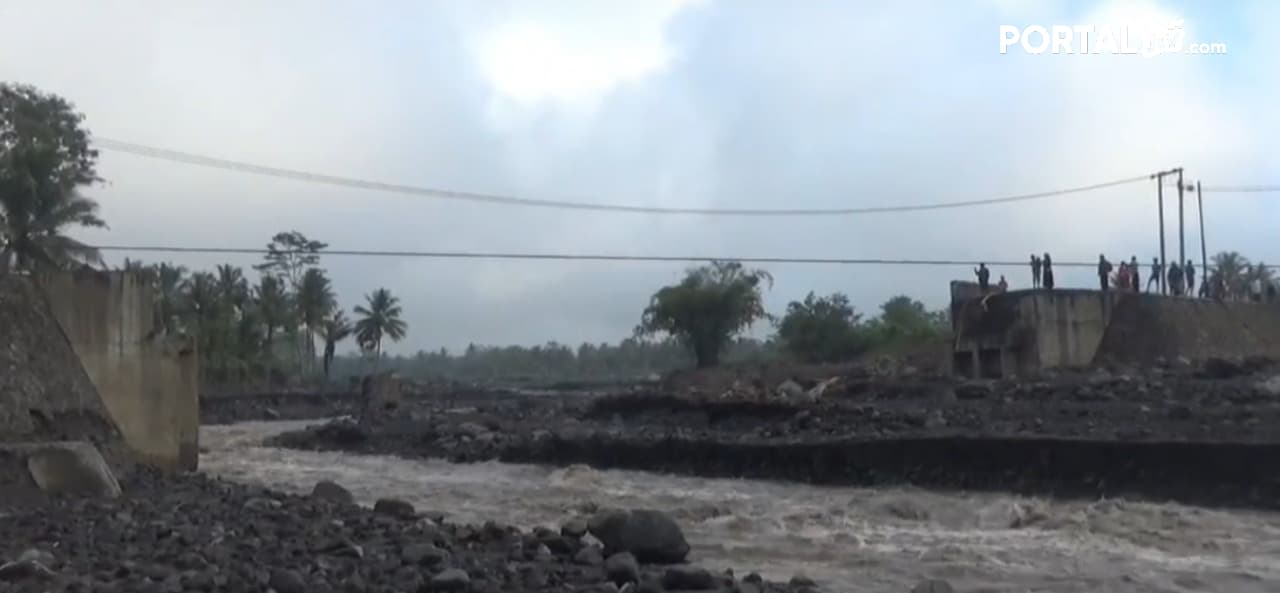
(332, 491)
(650, 535)
(688, 578)
(622, 568)
(453, 579)
(65, 467)
(395, 507)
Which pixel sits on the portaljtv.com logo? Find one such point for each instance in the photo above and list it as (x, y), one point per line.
(1141, 39)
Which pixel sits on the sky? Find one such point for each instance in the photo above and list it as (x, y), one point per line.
(673, 103)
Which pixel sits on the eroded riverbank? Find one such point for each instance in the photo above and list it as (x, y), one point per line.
(849, 539)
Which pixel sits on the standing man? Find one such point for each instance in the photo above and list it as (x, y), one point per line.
(1175, 279)
(1157, 275)
(1046, 271)
(1104, 272)
(984, 277)
(1035, 271)
(1189, 273)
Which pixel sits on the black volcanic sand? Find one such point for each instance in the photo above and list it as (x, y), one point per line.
(1204, 436)
(229, 409)
(196, 534)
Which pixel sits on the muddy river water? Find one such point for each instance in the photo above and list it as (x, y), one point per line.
(847, 539)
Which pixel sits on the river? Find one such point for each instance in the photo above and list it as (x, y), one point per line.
(847, 539)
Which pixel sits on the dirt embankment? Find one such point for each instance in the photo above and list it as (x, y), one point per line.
(1203, 436)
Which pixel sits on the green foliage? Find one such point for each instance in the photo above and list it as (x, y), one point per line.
(902, 317)
(379, 318)
(289, 255)
(822, 329)
(708, 308)
(45, 160)
(335, 329)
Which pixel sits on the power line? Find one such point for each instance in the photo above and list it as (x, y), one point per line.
(218, 163)
(1241, 188)
(586, 257)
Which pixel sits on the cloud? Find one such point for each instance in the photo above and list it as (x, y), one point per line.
(694, 104)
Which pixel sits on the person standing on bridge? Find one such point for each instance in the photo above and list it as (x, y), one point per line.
(1003, 286)
(1175, 279)
(1157, 275)
(1189, 274)
(984, 277)
(1046, 271)
(1136, 271)
(1035, 271)
(1104, 272)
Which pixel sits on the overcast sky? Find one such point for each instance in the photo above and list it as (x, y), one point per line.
(680, 103)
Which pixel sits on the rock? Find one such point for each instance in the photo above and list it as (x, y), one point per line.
(66, 467)
(35, 555)
(287, 581)
(650, 535)
(453, 579)
(801, 582)
(1271, 386)
(688, 578)
(790, 389)
(589, 556)
(821, 388)
(574, 528)
(648, 586)
(932, 586)
(472, 429)
(395, 507)
(971, 390)
(22, 570)
(333, 492)
(1180, 412)
(423, 555)
(271, 414)
(1221, 368)
(622, 568)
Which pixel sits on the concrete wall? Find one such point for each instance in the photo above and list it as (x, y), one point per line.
(45, 394)
(148, 383)
(1021, 332)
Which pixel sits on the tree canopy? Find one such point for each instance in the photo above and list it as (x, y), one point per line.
(45, 160)
(822, 329)
(709, 307)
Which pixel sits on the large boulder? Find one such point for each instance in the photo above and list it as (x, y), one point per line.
(381, 392)
(649, 535)
(63, 467)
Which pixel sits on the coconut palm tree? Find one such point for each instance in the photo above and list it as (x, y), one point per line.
(1230, 269)
(334, 329)
(273, 307)
(315, 304)
(379, 319)
(45, 158)
(169, 283)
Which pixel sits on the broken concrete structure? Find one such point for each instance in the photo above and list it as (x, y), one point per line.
(1022, 332)
(147, 381)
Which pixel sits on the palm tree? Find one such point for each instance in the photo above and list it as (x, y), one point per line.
(45, 157)
(335, 329)
(169, 284)
(380, 319)
(273, 308)
(1230, 270)
(315, 303)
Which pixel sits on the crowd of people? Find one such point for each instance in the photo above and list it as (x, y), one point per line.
(1178, 280)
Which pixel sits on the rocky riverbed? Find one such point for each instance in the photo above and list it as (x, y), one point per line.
(193, 533)
(1200, 435)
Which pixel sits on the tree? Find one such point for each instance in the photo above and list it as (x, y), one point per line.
(335, 329)
(379, 319)
(1231, 270)
(273, 308)
(169, 283)
(289, 255)
(904, 318)
(707, 309)
(316, 302)
(45, 159)
(822, 329)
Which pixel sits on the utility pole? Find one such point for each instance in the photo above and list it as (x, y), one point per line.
(1159, 177)
(1204, 253)
(1182, 229)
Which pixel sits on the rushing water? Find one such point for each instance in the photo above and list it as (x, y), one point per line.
(848, 539)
